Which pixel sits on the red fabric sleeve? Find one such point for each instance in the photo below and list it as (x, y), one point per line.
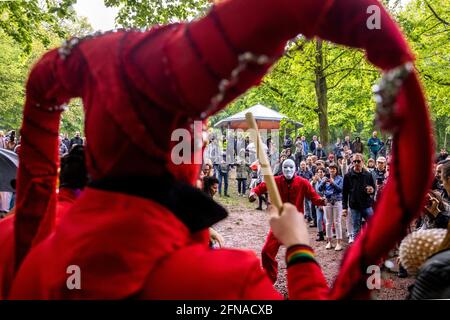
(260, 189)
(312, 194)
(190, 60)
(306, 282)
(203, 53)
(6, 255)
(258, 285)
(52, 82)
(347, 23)
(402, 198)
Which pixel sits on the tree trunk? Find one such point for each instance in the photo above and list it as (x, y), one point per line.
(445, 139)
(321, 94)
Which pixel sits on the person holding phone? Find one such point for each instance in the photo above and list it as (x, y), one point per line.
(436, 212)
(379, 175)
(315, 182)
(358, 190)
(331, 186)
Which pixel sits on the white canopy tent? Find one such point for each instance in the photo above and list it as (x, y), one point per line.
(265, 117)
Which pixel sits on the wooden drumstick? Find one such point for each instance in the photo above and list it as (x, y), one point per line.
(264, 162)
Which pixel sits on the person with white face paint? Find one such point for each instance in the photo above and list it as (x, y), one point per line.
(293, 189)
(288, 169)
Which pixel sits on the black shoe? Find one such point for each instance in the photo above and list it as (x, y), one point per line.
(259, 208)
(227, 195)
(320, 236)
(402, 273)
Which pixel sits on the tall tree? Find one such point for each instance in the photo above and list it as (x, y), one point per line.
(427, 27)
(321, 93)
(15, 63)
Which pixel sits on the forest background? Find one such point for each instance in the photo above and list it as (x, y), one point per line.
(327, 88)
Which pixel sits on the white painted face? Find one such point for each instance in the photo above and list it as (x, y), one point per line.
(288, 169)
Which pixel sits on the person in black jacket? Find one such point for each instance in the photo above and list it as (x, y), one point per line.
(320, 153)
(359, 188)
(314, 144)
(66, 141)
(432, 282)
(443, 155)
(76, 140)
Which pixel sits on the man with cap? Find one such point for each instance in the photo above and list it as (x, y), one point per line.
(140, 228)
(293, 189)
(379, 176)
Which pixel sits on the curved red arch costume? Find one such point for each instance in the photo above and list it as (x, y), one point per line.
(139, 86)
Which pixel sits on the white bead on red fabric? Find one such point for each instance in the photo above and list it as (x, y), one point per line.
(59, 108)
(67, 46)
(386, 92)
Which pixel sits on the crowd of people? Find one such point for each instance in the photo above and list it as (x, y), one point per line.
(350, 183)
(11, 142)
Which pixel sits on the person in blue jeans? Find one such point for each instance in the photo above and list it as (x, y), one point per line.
(305, 173)
(318, 177)
(224, 169)
(358, 191)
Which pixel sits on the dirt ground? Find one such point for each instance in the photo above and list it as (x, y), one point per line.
(247, 228)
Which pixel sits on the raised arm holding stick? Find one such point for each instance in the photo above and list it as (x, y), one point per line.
(286, 188)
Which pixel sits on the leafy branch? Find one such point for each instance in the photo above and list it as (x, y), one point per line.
(436, 15)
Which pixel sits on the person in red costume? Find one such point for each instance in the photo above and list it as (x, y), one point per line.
(293, 189)
(139, 228)
(73, 178)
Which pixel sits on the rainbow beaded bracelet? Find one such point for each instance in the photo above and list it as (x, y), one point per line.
(299, 253)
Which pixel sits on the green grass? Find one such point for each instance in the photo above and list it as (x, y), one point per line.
(234, 199)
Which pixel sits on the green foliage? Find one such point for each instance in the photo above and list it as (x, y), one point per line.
(23, 20)
(13, 70)
(427, 26)
(73, 118)
(141, 14)
(288, 88)
(15, 63)
(290, 85)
